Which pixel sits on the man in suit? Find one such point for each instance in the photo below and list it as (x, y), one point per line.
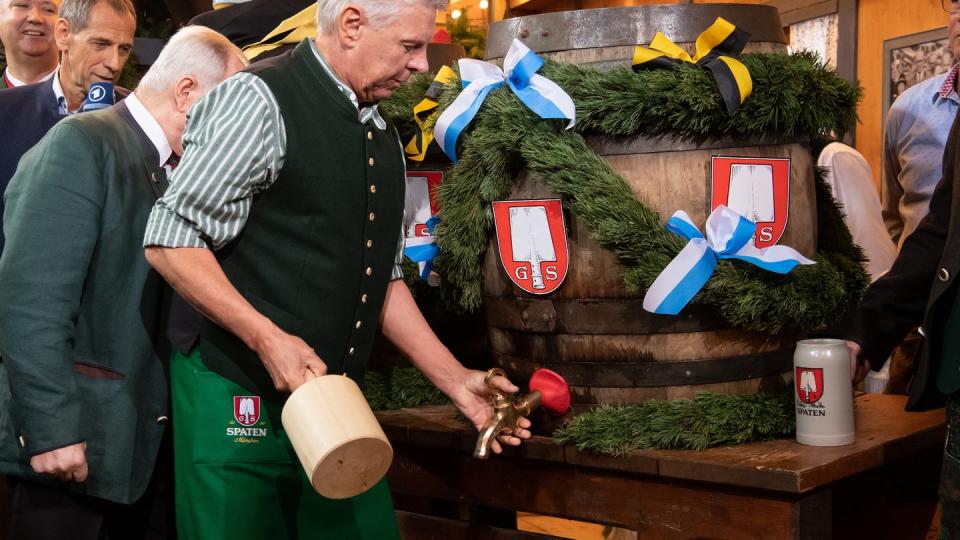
(921, 289)
(26, 30)
(83, 384)
(95, 37)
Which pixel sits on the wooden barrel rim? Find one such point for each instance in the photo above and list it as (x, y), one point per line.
(618, 146)
(653, 374)
(566, 30)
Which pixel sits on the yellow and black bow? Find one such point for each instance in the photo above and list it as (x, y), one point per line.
(714, 46)
(417, 147)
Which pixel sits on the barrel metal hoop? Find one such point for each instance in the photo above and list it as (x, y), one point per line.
(614, 316)
(653, 374)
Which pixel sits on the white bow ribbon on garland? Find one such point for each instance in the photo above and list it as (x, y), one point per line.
(479, 78)
(728, 237)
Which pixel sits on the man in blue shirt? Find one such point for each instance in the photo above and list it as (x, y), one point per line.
(915, 132)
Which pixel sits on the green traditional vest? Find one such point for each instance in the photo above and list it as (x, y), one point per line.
(318, 248)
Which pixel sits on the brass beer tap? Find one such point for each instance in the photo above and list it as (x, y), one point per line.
(507, 410)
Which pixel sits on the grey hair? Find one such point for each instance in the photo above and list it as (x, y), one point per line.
(380, 12)
(77, 12)
(194, 50)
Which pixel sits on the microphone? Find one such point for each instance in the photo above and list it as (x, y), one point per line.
(100, 96)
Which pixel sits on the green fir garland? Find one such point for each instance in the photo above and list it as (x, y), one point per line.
(692, 424)
(400, 388)
(793, 95)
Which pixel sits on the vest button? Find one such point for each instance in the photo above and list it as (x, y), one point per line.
(369, 271)
(363, 299)
(359, 324)
(373, 188)
(943, 275)
(373, 216)
(23, 443)
(371, 162)
(351, 351)
(162, 420)
(369, 135)
(369, 244)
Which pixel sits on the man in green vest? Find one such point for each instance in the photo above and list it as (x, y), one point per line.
(283, 226)
(83, 393)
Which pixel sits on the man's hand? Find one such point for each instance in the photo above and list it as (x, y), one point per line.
(68, 463)
(473, 399)
(859, 367)
(289, 360)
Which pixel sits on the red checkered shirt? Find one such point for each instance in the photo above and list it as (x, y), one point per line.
(950, 84)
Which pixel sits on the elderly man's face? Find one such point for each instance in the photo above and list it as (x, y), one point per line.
(392, 53)
(26, 26)
(98, 52)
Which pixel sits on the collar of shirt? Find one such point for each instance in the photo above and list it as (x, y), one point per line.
(14, 82)
(366, 113)
(949, 88)
(150, 126)
(61, 97)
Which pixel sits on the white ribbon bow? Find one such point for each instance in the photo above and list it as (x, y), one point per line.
(540, 94)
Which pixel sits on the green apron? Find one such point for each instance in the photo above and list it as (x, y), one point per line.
(238, 478)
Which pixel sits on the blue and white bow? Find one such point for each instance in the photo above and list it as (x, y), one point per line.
(425, 253)
(540, 94)
(729, 236)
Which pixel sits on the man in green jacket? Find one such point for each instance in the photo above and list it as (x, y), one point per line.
(283, 226)
(83, 391)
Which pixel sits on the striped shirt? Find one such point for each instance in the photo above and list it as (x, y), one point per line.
(234, 147)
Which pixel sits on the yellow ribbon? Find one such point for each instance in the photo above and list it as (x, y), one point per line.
(289, 32)
(714, 47)
(416, 149)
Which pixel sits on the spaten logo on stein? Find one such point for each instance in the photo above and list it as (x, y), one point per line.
(809, 384)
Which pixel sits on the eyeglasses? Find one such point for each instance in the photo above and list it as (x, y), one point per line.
(950, 6)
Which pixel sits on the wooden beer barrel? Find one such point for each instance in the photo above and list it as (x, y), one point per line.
(592, 330)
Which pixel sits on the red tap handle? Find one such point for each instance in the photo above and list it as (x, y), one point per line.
(554, 391)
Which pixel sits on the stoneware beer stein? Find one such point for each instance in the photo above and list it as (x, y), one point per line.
(823, 393)
(336, 436)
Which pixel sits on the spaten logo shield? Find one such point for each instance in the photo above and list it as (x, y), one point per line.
(246, 409)
(757, 189)
(532, 240)
(809, 384)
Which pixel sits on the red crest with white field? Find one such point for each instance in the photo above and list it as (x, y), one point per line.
(757, 189)
(809, 384)
(532, 240)
(421, 203)
(246, 409)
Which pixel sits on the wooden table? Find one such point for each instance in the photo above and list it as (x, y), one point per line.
(882, 486)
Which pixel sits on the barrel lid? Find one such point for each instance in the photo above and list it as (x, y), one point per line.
(613, 27)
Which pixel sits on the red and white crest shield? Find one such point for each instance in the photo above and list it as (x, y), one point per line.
(757, 189)
(809, 384)
(246, 409)
(420, 204)
(532, 240)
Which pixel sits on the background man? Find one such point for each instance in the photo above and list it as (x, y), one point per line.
(921, 287)
(96, 37)
(914, 137)
(296, 279)
(26, 30)
(83, 382)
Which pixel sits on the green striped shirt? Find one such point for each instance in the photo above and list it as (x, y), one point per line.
(234, 145)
